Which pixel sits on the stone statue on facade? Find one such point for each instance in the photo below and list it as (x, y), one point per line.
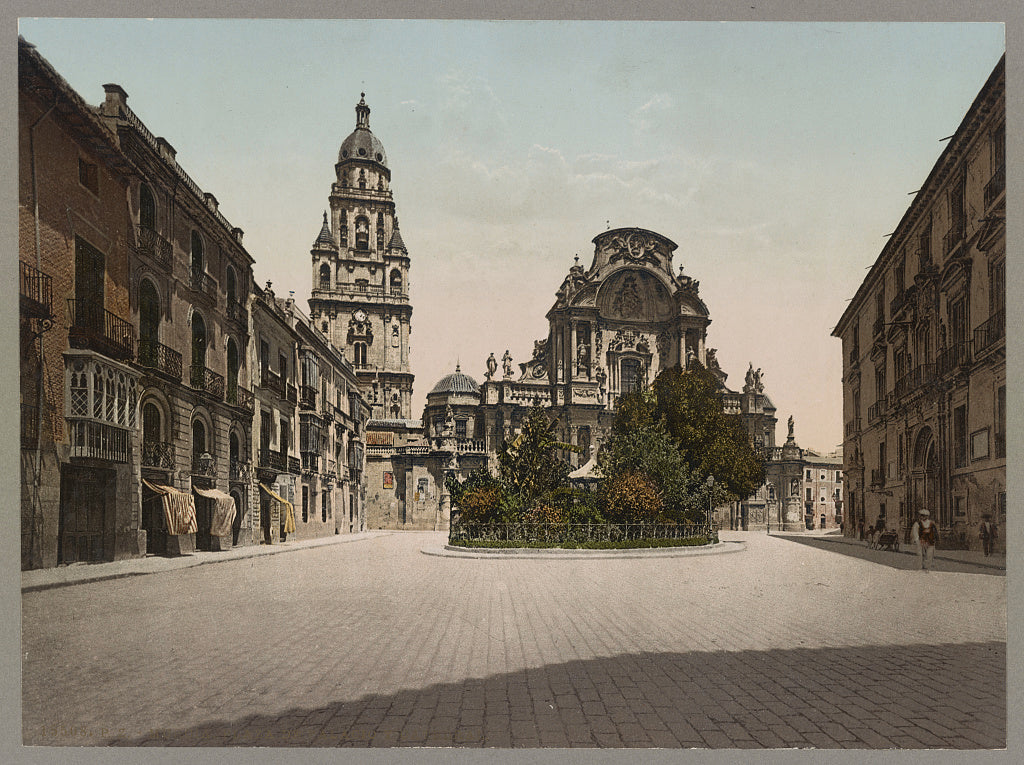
(506, 364)
(492, 366)
(582, 357)
(449, 422)
(790, 436)
(690, 356)
(712, 358)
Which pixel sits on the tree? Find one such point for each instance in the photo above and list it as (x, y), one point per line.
(529, 465)
(639, 444)
(710, 441)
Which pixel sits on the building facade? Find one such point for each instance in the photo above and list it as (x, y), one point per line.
(803, 489)
(924, 355)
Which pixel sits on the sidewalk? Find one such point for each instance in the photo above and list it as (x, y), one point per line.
(973, 557)
(77, 573)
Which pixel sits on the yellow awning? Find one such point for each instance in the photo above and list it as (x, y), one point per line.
(289, 511)
(179, 508)
(223, 512)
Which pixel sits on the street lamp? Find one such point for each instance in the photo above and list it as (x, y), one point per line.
(711, 486)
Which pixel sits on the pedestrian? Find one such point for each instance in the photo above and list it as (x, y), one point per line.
(924, 534)
(860, 529)
(871, 536)
(988, 533)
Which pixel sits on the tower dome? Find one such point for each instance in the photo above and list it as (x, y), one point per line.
(361, 143)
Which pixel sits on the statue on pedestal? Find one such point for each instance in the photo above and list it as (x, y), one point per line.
(506, 364)
(492, 366)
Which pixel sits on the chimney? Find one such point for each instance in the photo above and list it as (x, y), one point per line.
(117, 100)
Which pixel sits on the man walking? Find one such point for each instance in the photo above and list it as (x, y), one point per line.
(988, 533)
(924, 534)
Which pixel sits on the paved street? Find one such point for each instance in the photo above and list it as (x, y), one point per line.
(373, 643)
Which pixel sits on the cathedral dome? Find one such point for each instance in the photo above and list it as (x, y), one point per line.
(361, 143)
(456, 384)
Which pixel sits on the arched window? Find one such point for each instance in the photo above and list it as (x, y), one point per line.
(233, 449)
(198, 264)
(147, 208)
(325, 277)
(198, 350)
(362, 179)
(380, 231)
(198, 439)
(149, 322)
(396, 340)
(396, 282)
(359, 355)
(232, 371)
(343, 227)
(362, 233)
(150, 423)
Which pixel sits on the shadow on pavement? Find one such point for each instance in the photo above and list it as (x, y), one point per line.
(912, 696)
(905, 559)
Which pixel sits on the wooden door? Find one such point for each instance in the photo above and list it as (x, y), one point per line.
(84, 495)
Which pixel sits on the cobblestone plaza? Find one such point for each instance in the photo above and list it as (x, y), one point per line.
(372, 643)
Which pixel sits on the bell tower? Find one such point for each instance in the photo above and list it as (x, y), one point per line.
(360, 268)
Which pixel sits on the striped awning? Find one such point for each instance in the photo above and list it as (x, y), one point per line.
(223, 512)
(179, 508)
(288, 512)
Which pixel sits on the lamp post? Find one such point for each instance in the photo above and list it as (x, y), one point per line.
(711, 485)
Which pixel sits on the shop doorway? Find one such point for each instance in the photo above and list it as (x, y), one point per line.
(85, 496)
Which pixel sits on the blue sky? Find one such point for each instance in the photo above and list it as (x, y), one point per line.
(776, 155)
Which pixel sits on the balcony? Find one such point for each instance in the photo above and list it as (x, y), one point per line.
(158, 454)
(294, 465)
(952, 358)
(149, 243)
(272, 382)
(291, 394)
(877, 410)
(29, 426)
(953, 238)
(273, 460)
(206, 380)
(853, 427)
(995, 187)
(200, 281)
(989, 333)
(239, 470)
(854, 356)
(307, 397)
(878, 326)
(36, 293)
(204, 465)
(159, 358)
(96, 329)
(897, 303)
(878, 477)
(237, 312)
(913, 381)
(242, 398)
(97, 440)
(310, 462)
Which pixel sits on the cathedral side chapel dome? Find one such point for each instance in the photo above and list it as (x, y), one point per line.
(361, 143)
(456, 384)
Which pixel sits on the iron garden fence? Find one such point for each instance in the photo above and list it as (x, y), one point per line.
(576, 533)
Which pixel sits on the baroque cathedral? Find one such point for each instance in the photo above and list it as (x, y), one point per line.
(612, 328)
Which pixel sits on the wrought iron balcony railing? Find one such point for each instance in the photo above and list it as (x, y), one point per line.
(273, 460)
(878, 477)
(877, 410)
(854, 356)
(294, 465)
(157, 356)
(202, 282)
(853, 427)
(990, 332)
(239, 470)
(36, 292)
(237, 312)
(913, 380)
(206, 380)
(310, 462)
(952, 358)
(272, 382)
(291, 394)
(97, 329)
(995, 186)
(242, 398)
(953, 238)
(153, 245)
(158, 454)
(204, 465)
(897, 303)
(878, 326)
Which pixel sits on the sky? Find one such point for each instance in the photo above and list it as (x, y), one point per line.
(777, 155)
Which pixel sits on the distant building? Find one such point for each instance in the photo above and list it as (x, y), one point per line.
(924, 354)
(803, 488)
